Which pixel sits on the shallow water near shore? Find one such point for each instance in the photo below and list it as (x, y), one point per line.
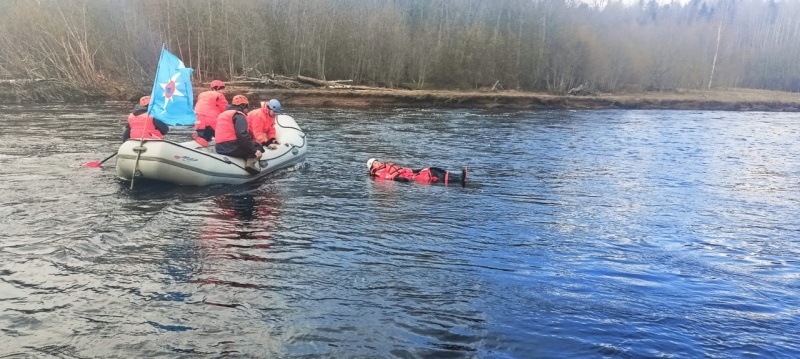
(579, 234)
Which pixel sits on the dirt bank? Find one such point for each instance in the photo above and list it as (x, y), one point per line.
(723, 100)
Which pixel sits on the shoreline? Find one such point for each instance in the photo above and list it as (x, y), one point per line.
(708, 100)
(715, 100)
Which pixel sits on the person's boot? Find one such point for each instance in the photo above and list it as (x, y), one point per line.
(251, 166)
(200, 141)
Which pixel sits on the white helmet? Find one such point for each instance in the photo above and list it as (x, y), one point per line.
(369, 163)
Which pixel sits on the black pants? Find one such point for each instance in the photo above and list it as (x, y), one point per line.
(239, 153)
(235, 149)
(207, 133)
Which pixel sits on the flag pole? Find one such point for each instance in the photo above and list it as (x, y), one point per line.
(141, 148)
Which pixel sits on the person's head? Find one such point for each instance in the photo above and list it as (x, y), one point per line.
(217, 85)
(274, 106)
(241, 101)
(372, 163)
(144, 101)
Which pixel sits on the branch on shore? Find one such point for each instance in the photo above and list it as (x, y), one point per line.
(299, 82)
(24, 81)
(335, 84)
(582, 90)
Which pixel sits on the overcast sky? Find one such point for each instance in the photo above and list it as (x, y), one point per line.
(631, 2)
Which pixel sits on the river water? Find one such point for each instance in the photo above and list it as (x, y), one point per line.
(622, 234)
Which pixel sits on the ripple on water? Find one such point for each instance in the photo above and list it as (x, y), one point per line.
(580, 234)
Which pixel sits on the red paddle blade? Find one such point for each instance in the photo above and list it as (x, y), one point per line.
(93, 164)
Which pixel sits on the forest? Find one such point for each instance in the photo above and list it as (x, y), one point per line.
(524, 45)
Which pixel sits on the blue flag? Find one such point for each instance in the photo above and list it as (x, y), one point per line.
(171, 99)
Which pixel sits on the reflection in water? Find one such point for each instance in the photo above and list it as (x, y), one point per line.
(240, 228)
(250, 216)
(248, 208)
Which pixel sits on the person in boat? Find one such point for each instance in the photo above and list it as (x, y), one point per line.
(262, 123)
(208, 107)
(142, 125)
(392, 172)
(232, 134)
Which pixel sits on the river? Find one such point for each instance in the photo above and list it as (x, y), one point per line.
(622, 234)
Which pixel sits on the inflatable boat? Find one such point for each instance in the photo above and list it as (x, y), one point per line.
(191, 163)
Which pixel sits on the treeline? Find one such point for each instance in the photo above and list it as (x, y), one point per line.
(531, 45)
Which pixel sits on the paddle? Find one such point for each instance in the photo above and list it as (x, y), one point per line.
(94, 164)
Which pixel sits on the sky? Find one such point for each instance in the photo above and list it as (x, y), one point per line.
(631, 2)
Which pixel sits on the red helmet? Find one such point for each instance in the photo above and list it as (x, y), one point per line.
(240, 100)
(217, 84)
(144, 101)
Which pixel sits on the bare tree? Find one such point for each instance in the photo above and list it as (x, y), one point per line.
(542, 45)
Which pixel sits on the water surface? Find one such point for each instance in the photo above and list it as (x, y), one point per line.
(580, 234)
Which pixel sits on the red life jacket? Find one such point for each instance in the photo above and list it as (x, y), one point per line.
(225, 130)
(261, 125)
(142, 127)
(208, 107)
(204, 121)
(390, 171)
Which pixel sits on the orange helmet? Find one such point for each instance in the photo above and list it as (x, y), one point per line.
(217, 84)
(240, 100)
(144, 101)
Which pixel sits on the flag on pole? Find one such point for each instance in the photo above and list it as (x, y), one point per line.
(171, 99)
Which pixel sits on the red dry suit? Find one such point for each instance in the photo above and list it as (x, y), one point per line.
(208, 107)
(261, 126)
(392, 172)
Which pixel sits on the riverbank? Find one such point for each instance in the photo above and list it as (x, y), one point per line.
(720, 100)
(713, 100)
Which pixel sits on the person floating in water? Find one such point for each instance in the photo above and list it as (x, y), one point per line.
(392, 172)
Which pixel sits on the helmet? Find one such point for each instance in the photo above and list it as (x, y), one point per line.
(274, 105)
(217, 84)
(369, 163)
(144, 101)
(240, 100)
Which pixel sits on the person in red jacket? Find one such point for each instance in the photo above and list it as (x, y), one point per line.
(392, 172)
(233, 137)
(207, 108)
(262, 123)
(142, 125)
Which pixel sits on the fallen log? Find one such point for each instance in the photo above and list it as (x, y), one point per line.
(357, 87)
(313, 81)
